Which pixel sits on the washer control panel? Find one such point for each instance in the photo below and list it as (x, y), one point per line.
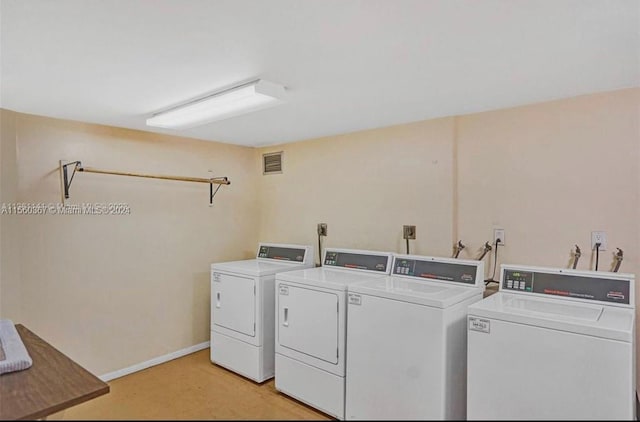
(357, 261)
(434, 270)
(586, 285)
(518, 280)
(281, 253)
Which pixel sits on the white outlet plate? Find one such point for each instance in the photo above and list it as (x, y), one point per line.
(499, 234)
(599, 237)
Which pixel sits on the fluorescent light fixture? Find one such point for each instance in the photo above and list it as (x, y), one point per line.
(241, 99)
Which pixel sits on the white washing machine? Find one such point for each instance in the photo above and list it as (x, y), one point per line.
(311, 326)
(242, 308)
(407, 340)
(553, 344)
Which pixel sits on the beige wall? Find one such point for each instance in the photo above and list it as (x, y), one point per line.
(551, 173)
(365, 186)
(10, 297)
(113, 291)
(529, 170)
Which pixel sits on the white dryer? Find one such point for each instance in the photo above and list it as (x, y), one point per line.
(407, 340)
(242, 308)
(553, 344)
(311, 325)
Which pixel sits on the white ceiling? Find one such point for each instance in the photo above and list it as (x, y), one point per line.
(348, 64)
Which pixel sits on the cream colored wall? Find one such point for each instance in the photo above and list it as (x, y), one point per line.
(526, 169)
(10, 296)
(113, 291)
(365, 186)
(551, 173)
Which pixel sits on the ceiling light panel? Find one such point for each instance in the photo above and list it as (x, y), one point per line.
(242, 99)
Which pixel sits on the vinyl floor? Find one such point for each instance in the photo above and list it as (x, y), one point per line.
(190, 387)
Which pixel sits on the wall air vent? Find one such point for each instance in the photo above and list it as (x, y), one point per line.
(272, 163)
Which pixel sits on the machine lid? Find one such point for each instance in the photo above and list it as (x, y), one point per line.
(459, 272)
(358, 260)
(593, 319)
(327, 278)
(557, 310)
(434, 294)
(612, 289)
(256, 267)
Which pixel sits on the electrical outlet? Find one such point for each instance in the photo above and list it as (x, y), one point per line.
(599, 237)
(499, 234)
(409, 232)
(322, 229)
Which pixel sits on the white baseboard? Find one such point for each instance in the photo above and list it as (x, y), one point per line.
(153, 362)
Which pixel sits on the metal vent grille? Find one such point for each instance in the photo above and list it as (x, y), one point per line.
(272, 163)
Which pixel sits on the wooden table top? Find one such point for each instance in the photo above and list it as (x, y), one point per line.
(53, 383)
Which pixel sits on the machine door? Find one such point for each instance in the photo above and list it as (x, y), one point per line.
(233, 303)
(308, 322)
(518, 371)
(403, 345)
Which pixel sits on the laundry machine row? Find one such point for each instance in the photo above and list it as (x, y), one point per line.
(373, 335)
